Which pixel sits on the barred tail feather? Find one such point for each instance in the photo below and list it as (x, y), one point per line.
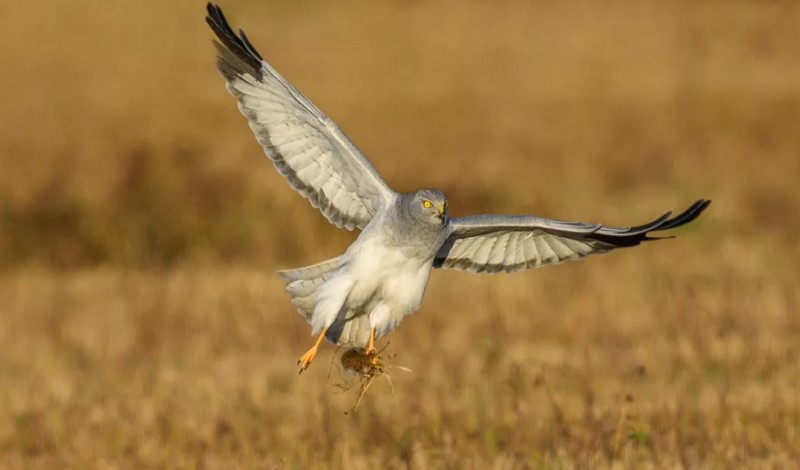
(310, 272)
(303, 283)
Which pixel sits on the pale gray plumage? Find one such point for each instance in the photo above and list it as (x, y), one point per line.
(493, 243)
(382, 276)
(304, 144)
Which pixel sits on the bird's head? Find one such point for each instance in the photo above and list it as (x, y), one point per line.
(430, 205)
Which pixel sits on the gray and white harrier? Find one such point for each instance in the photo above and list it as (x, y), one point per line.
(365, 293)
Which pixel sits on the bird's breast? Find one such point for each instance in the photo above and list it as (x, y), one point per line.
(385, 274)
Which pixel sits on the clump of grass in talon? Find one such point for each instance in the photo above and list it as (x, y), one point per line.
(366, 367)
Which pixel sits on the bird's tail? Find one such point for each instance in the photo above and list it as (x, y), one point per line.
(302, 284)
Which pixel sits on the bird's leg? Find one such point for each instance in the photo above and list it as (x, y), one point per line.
(371, 345)
(370, 351)
(305, 359)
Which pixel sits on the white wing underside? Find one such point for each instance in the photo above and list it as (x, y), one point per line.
(513, 251)
(305, 146)
(494, 243)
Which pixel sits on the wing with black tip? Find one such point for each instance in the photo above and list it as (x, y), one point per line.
(509, 243)
(305, 146)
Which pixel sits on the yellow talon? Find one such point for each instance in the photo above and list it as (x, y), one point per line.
(306, 359)
(370, 351)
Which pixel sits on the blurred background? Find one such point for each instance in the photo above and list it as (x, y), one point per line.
(142, 324)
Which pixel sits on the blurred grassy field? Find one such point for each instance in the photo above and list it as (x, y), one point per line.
(141, 323)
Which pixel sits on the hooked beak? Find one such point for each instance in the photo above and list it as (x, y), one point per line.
(442, 211)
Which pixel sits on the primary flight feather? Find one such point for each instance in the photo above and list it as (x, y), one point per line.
(365, 293)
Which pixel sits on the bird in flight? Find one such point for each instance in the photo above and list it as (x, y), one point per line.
(363, 294)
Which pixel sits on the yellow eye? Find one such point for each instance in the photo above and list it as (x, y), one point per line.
(426, 204)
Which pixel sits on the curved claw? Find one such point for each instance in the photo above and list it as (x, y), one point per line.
(306, 359)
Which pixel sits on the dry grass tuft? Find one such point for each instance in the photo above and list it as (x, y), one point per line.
(365, 367)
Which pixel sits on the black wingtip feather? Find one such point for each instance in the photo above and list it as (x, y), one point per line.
(238, 45)
(650, 226)
(252, 50)
(637, 235)
(688, 215)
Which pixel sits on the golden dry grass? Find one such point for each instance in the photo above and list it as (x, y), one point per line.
(141, 323)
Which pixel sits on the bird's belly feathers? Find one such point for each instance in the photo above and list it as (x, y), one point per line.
(386, 275)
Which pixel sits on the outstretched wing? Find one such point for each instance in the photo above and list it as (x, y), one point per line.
(305, 145)
(493, 243)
